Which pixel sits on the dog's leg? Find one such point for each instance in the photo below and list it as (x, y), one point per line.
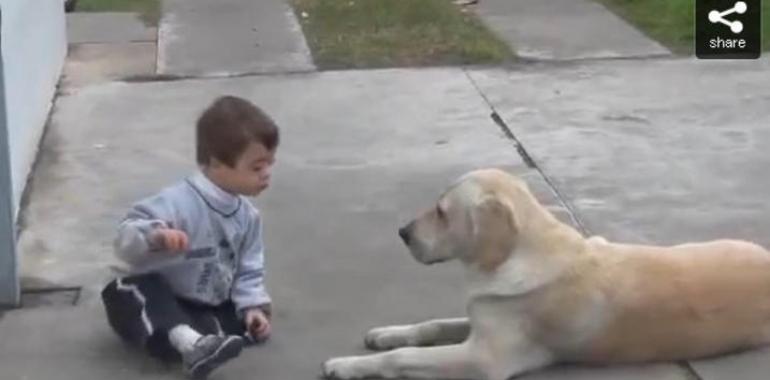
(473, 359)
(510, 367)
(428, 333)
(444, 362)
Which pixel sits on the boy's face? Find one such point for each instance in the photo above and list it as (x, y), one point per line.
(250, 175)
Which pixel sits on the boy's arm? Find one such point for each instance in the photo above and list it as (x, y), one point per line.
(133, 244)
(249, 289)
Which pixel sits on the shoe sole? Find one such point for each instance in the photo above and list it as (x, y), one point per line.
(229, 349)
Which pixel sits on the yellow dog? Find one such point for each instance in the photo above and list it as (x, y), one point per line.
(540, 293)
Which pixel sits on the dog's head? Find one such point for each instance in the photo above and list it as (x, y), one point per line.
(474, 220)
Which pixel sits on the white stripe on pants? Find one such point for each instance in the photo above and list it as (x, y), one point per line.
(134, 290)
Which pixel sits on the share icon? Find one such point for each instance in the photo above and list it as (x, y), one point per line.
(718, 17)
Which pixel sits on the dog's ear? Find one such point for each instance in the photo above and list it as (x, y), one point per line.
(494, 232)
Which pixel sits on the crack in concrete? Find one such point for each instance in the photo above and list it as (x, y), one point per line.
(689, 371)
(529, 161)
(144, 78)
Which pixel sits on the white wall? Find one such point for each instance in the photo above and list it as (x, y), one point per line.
(34, 45)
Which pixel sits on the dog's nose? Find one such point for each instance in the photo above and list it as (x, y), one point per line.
(404, 233)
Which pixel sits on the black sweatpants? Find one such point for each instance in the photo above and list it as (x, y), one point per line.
(142, 309)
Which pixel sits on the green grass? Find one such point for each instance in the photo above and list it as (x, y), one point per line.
(393, 33)
(148, 9)
(672, 21)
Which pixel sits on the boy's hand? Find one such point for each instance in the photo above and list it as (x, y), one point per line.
(257, 324)
(170, 239)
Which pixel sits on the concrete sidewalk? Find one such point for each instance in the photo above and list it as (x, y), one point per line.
(108, 27)
(343, 186)
(643, 151)
(226, 37)
(565, 30)
(108, 46)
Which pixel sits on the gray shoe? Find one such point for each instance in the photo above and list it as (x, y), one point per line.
(210, 352)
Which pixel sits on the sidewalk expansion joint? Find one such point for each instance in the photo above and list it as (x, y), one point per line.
(50, 296)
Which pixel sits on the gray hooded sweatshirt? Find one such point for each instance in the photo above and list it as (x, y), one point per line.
(225, 260)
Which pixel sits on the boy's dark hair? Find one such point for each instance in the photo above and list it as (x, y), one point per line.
(228, 126)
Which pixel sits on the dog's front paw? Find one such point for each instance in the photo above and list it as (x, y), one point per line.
(344, 368)
(390, 337)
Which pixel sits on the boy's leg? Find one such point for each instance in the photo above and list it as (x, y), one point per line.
(229, 321)
(223, 346)
(142, 309)
(204, 317)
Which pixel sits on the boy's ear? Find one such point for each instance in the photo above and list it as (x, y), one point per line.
(215, 163)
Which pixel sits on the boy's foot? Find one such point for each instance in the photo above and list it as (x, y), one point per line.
(210, 352)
